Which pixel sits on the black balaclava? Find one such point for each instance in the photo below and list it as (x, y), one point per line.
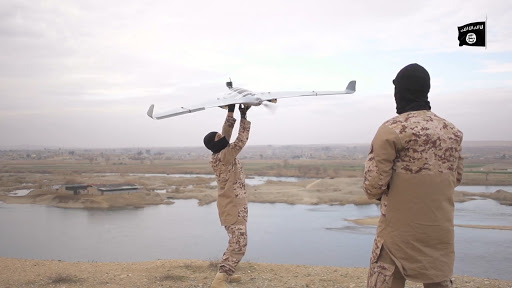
(412, 85)
(215, 146)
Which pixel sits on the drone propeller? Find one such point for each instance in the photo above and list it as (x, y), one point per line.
(271, 107)
(229, 84)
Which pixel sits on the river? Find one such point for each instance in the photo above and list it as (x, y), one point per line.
(278, 233)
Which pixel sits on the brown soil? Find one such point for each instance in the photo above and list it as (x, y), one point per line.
(370, 221)
(191, 273)
(502, 196)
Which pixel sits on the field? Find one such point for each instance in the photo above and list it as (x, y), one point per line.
(331, 174)
(325, 181)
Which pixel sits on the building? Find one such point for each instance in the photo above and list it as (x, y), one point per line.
(75, 189)
(99, 189)
(102, 189)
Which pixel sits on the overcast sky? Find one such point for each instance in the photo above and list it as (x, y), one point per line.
(83, 73)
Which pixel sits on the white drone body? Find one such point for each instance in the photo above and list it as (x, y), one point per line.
(243, 96)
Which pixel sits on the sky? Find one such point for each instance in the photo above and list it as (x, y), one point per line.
(82, 74)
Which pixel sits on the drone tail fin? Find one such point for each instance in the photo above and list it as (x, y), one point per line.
(150, 111)
(351, 87)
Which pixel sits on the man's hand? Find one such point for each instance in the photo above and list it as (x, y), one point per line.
(243, 110)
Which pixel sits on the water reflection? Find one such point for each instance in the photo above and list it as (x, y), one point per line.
(483, 212)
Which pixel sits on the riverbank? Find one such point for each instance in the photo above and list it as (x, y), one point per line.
(85, 201)
(329, 191)
(337, 191)
(373, 221)
(192, 273)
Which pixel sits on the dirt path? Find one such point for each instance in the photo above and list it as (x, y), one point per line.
(311, 185)
(21, 273)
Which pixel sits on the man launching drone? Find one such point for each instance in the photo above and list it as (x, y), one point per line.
(232, 195)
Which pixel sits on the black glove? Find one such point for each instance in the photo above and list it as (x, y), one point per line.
(231, 108)
(243, 110)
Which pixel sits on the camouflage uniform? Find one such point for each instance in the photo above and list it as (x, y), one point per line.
(413, 166)
(232, 195)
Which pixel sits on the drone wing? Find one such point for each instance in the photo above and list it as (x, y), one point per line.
(189, 109)
(270, 96)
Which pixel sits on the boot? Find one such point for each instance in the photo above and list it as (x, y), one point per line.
(220, 281)
(234, 278)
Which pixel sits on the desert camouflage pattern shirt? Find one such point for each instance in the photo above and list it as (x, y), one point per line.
(413, 167)
(232, 195)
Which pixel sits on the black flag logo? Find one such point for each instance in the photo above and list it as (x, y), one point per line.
(472, 34)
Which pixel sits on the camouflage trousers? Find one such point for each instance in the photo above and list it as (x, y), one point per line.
(237, 244)
(384, 273)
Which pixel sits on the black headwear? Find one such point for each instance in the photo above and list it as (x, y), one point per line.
(215, 146)
(412, 85)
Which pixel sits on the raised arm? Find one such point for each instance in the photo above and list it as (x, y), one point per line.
(229, 154)
(229, 123)
(379, 165)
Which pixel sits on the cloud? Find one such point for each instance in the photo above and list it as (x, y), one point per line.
(497, 67)
(482, 114)
(87, 71)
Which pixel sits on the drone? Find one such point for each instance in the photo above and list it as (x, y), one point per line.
(237, 95)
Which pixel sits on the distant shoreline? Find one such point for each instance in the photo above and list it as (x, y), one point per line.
(328, 191)
(374, 221)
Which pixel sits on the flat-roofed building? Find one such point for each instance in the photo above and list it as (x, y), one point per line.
(99, 189)
(75, 189)
(103, 189)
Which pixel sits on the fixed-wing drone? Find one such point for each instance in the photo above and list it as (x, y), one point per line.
(245, 97)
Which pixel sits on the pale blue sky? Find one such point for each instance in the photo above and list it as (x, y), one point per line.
(83, 73)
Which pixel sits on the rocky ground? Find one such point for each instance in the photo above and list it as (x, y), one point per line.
(191, 273)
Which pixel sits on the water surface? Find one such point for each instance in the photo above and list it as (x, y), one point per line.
(278, 233)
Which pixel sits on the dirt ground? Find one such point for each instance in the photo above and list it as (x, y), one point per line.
(191, 273)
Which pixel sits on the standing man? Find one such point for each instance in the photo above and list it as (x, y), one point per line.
(413, 166)
(232, 196)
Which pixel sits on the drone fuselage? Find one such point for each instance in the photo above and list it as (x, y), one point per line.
(245, 96)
